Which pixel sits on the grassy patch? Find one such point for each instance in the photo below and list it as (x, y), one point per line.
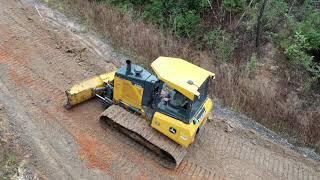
(8, 162)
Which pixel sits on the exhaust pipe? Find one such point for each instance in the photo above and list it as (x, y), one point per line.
(128, 72)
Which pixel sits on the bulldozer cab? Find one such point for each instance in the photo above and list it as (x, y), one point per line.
(181, 75)
(183, 105)
(173, 103)
(184, 89)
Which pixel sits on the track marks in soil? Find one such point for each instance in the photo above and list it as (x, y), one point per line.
(89, 150)
(227, 147)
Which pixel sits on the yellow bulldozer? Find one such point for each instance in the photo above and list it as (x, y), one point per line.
(163, 112)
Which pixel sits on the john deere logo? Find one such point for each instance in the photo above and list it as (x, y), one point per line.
(172, 130)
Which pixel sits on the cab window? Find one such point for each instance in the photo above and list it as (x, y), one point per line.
(174, 104)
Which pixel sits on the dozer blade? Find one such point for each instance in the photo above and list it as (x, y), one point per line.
(85, 90)
(170, 153)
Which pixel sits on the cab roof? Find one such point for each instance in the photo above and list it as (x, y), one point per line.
(178, 72)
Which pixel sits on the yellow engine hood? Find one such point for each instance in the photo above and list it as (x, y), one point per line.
(177, 72)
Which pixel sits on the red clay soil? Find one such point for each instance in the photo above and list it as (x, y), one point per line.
(94, 152)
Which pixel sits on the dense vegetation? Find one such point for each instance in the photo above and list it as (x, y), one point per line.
(294, 25)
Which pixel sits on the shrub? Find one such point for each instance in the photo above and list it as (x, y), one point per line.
(199, 6)
(252, 65)
(274, 13)
(300, 38)
(155, 12)
(185, 25)
(183, 17)
(233, 5)
(309, 27)
(222, 43)
(296, 50)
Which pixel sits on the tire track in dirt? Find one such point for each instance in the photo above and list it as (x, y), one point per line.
(44, 43)
(267, 160)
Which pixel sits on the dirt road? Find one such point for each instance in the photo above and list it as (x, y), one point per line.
(39, 60)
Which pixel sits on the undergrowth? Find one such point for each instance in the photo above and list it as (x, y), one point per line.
(8, 162)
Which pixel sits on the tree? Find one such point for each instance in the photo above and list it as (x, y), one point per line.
(263, 6)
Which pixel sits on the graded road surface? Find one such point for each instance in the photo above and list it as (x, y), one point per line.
(39, 61)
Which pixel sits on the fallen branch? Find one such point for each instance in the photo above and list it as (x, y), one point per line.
(243, 14)
(38, 10)
(214, 13)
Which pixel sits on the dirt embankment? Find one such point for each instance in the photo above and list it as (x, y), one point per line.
(41, 57)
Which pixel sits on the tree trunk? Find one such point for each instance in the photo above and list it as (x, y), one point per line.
(264, 3)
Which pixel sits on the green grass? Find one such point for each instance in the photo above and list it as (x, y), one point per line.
(8, 164)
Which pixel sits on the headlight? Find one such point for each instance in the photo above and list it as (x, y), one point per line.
(183, 137)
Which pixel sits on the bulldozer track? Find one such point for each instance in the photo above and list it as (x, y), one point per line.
(140, 130)
(225, 149)
(183, 170)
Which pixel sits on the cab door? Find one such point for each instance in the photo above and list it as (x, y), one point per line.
(173, 128)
